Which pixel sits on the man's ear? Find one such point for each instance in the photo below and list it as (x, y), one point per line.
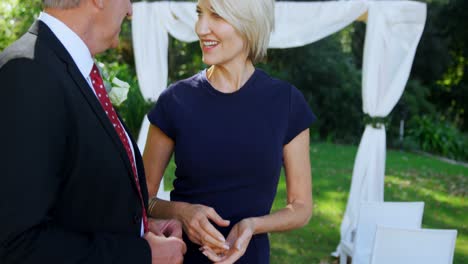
(98, 3)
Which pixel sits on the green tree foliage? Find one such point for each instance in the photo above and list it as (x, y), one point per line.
(184, 60)
(15, 18)
(441, 61)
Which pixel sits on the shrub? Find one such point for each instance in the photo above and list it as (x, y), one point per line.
(436, 135)
(413, 102)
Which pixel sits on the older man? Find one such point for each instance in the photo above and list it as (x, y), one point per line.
(72, 186)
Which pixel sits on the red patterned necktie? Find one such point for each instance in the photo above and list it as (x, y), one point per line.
(101, 93)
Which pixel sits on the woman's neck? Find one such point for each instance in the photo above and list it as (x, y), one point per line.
(229, 79)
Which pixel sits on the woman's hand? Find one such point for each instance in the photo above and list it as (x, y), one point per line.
(195, 221)
(238, 239)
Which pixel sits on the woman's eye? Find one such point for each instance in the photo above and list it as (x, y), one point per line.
(216, 15)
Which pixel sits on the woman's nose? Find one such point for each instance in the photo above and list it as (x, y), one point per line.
(202, 26)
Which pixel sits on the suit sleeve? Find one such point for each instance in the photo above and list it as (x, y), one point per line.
(34, 137)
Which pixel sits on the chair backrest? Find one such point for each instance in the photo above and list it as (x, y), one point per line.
(371, 214)
(410, 246)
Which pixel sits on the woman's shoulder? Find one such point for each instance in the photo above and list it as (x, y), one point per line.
(183, 86)
(193, 81)
(273, 83)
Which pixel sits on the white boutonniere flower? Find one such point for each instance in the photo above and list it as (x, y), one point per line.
(116, 88)
(119, 91)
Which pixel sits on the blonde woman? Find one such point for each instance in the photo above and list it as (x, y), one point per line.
(232, 128)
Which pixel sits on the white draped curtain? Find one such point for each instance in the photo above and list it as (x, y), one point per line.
(392, 35)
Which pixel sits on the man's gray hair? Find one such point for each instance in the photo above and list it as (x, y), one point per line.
(62, 4)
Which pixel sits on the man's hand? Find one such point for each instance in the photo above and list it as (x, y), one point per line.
(165, 249)
(167, 228)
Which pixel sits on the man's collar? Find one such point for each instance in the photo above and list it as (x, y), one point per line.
(72, 43)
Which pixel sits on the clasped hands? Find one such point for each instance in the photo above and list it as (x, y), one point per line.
(195, 220)
(165, 240)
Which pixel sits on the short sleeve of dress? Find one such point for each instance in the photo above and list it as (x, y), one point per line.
(160, 115)
(300, 115)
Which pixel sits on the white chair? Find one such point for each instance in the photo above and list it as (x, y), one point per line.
(413, 246)
(371, 214)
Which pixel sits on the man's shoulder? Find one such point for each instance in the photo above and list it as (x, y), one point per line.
(31, 56)
(37, 44)
(23, 48)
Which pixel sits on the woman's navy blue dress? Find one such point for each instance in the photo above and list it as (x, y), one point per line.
(229, 147)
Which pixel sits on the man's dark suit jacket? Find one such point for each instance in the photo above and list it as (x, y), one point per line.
(67, 193)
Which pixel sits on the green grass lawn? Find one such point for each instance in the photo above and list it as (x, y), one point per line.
(409, 177)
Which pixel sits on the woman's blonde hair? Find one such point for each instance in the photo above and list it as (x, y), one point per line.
(254, 19)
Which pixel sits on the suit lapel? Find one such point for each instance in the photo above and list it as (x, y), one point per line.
(138, 163)
(42, 31)
(99, 112)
